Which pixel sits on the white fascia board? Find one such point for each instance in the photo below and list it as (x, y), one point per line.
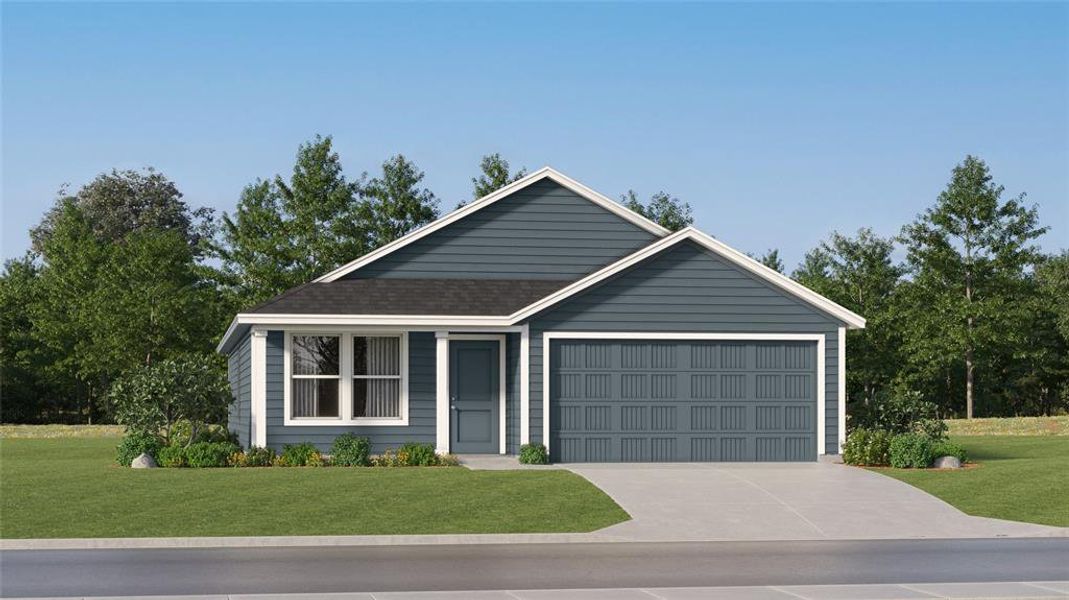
(717, 247)
(226, 335)
(543, 173)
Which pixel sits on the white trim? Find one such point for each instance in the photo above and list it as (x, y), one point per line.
(258, 387)
(842, 388)
(720, 249)
(345, 416)
(525, 385)
(821, 393)
(501, 387)
(385, 321)
(543, 173)
(441, 392)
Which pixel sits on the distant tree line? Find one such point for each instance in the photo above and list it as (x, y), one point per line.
(123, 273)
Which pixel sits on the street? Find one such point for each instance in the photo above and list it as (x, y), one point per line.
(525, 566)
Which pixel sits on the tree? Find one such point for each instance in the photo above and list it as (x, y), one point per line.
(120, 202)
(395, 203)
(967, 255)
(667, 211)
(495, 174)
(771, 260)
(860, 274)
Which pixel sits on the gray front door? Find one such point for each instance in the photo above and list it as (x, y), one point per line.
(474, 396)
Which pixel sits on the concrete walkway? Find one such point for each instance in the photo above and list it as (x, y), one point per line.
(779, 501)
(950, 591)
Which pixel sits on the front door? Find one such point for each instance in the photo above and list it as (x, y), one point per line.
(474, 396)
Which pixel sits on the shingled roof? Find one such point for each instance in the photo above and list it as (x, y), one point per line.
(483, 297)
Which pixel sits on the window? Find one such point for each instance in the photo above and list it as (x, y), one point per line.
(348, 378)
(376, 377)
(315, 376)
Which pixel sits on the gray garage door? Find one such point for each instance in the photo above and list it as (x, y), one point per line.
(642, 401)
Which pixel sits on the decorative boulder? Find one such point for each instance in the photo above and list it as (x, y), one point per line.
(143, 461)
(946, 462)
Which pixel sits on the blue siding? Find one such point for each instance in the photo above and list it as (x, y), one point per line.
(421, 398)
(543, 231)
(239, 374)
(512, 393)
(687, 289)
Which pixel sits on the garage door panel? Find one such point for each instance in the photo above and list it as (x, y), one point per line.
(638, 401)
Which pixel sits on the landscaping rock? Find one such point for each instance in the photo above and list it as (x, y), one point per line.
(946, 462)
(143, 461)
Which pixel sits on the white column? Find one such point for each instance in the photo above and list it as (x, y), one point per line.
(525, 385)
(441, 403)
(258, 387)
(842, 388)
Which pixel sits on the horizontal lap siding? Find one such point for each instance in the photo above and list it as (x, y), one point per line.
(687, 289)
(240, 377)
(543, 231)
(421, 400)
(512, 393)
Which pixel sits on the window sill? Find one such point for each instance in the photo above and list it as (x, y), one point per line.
(330, 422)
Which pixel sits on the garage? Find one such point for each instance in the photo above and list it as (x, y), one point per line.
(695, 400)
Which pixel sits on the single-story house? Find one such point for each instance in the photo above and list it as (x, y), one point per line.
(548, 313)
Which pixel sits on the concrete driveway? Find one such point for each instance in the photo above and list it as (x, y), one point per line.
(779, 501)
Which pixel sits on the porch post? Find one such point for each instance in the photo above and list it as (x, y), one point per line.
(842, 388)
(441, 403)
(525, 385)
(258, 387)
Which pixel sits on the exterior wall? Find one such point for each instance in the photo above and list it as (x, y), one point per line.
(239, 374)
(544, 231)
(512, 393)
(421, 402)
(687, 289)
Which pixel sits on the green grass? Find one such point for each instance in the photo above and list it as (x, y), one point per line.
(1010, 426)
(59, 431)
(1019, 478)
(70, 487)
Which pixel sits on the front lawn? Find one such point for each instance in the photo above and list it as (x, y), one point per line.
(70, 487)
(1019, 478)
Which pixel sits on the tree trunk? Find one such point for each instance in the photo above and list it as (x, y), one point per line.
(969, 366)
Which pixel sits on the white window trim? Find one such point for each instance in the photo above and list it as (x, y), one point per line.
(822, 395)
(345, 383)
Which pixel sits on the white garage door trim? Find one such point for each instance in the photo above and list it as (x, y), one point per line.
(549, 336)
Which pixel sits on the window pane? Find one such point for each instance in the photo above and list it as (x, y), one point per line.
(376, 355)
(315, 355)
(315, 398)
(377, 398)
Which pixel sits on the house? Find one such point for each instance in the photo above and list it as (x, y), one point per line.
(548, 313)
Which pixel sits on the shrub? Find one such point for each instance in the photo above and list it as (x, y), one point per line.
(155, 398)
(948, 448)
(300, 455)
(911, 451)
(172, 456)
(390, 458)
(209, 454)
(534, 454)
(348, 450)
(448, 460)
(867, 447)
(185, 432)
(899, 411)
(134, 443)
(419, 455)
(258, 457)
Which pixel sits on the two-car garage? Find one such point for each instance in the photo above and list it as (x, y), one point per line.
(644, 399)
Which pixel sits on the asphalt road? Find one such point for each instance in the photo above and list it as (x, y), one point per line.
(526, 566)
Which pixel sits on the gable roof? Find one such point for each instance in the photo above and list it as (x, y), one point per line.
(539, 175)
(718, 248)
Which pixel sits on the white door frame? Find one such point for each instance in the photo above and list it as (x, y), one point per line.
(442, 412)
(549, 336)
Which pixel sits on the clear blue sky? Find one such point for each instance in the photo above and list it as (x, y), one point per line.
(778, 123)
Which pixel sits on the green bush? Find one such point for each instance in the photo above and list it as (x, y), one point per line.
(949, 448)
(534, 454)
(304, 454)
(867, 447)
(258, 457)
(209, 454)
(134, 443)
(419, 455)
(911, 451)
(899, 411)
(349, 450)
(172, 456)
(182, 430)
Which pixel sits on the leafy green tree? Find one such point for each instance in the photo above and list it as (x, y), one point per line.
(396, 203)
(771, 260)
(494, 174)
(665, 210)
(860, 274)
(967, 255)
